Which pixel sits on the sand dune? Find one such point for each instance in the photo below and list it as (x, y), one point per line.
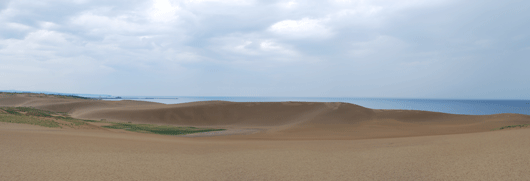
(280, 120)
(36, 153)
(271, 141)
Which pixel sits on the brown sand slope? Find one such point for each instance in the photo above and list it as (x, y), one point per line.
(280, 120)
(36, 153)
(299, 141)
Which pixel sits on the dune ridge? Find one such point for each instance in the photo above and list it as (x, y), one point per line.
(264, 141)
(279, 120)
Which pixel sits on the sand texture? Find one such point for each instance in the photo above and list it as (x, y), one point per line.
(263, 141)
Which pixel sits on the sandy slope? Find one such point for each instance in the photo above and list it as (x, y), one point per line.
(279, 120)
(295, 141)
(28, 153)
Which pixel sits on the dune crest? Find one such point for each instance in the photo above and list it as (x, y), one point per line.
(280, 120)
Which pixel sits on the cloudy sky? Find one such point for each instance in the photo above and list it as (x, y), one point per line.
(472, 49)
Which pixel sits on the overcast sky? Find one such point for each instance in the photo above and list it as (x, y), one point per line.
(461, 49)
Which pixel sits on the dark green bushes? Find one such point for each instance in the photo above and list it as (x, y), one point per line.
(164, 130)
(513, 126)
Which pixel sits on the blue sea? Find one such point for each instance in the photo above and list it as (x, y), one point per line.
(469, 107)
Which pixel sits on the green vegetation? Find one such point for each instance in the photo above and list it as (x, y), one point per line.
(70, 96)
(34, 112)
(44, 94)
(73, 121)
(513, 126)
(11, 111)
(165, 130)
(19, 118)
(90, 121)
(29, 115)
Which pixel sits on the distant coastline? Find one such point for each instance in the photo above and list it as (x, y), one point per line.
(452, 106)
(467, 107)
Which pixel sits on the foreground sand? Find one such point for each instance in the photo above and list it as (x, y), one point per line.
(36, 153)
(354, 143)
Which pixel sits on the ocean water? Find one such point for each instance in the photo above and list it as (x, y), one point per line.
(469, 107)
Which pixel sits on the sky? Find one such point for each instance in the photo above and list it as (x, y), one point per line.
(441, 49)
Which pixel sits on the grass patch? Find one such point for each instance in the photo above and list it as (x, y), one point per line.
(164, 130)
(11, 110)
(29, 115)
(70, 96)
(64, 96)
(90, 121)
(19, 118)
(35, 112)
(73, 121)
(76, 122)
(513, 126)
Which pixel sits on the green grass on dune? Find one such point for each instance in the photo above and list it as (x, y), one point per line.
(34, 112)
(19, 118)
(513, 126)
(76, 122)
(64, 96)
(164, 130)
(29, 115)
(11, 110)
(90, 121)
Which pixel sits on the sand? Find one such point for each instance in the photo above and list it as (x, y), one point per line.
(264, 141)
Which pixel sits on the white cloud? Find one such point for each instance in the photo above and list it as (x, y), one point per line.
(104, 24)
(48, 25)
(381, 46)
(304, 28)
(235, 2)
(269, 45)
(18, 26)
(253, 46)
(46, 37)
(8, 13)
(80, 1)
(163, 11)
(288, 4)
(360, 11)
(39, 44)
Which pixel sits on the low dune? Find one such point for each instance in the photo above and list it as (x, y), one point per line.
(278, 120)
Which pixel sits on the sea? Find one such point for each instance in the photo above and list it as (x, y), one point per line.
(467, 107)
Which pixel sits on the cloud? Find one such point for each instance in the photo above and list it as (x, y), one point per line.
(234, 2)
(163, 11)
(17, 26)
(252, 51)
(103, 24)
(288, 4)
(306, 48)
(304, 28)
(381, 44)
(241, 44)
